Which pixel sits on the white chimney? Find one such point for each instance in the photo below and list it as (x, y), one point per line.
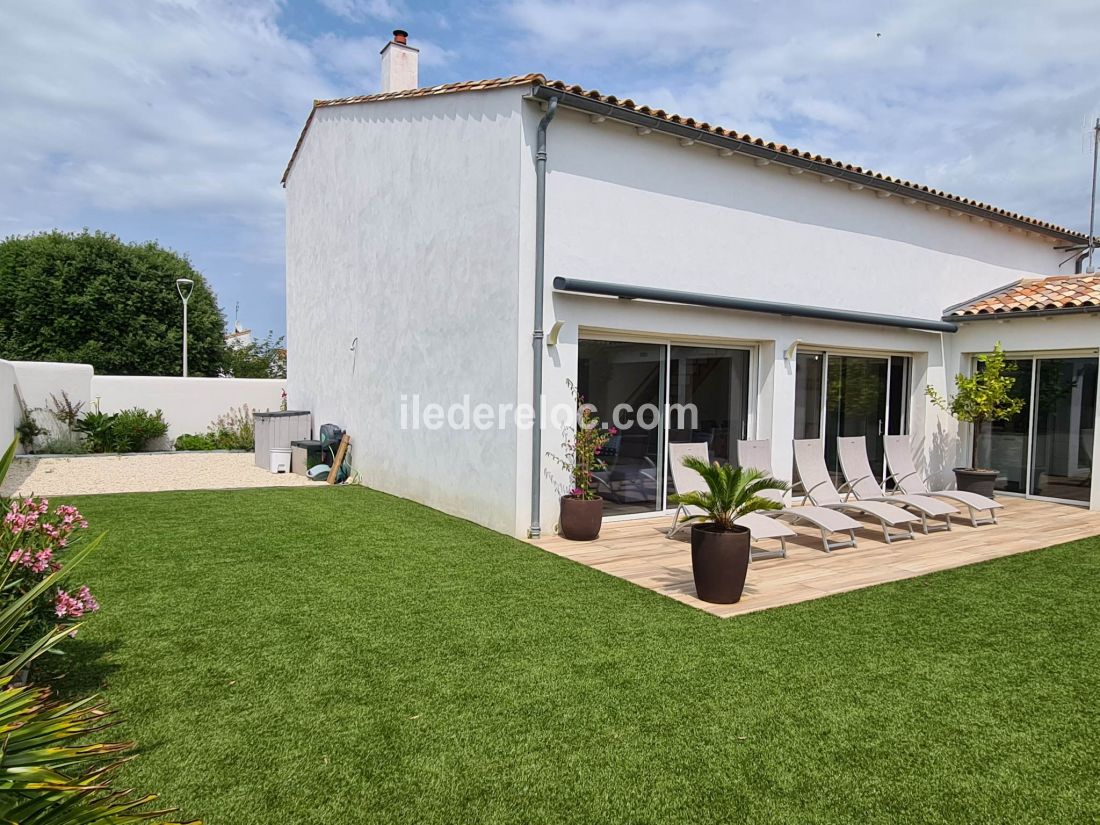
(399, 59)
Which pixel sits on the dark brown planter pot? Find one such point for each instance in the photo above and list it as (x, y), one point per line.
(580, 518)
(981, 482)
(719, 562)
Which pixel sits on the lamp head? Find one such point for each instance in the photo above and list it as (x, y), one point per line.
(184, 284)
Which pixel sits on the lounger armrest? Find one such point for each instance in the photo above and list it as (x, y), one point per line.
(808, 495)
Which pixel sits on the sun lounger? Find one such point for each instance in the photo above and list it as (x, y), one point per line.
(859, 481)
(687, 480)
(818, 487)
(758, 454)
(899, 457)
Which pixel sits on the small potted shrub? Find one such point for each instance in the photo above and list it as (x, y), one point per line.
(581, 514)
(981, 399)
(719, 548)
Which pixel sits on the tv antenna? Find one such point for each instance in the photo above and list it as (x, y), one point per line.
(1092, 208)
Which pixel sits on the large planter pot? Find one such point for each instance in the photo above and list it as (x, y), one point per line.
(719, 562)
(981, 482)
(580, 518)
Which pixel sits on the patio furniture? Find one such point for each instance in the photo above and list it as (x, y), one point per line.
(903, 471)
(860, 481)
(758, 454)
(687, 480)
(818, 487)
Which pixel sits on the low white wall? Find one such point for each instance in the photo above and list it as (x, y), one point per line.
(189, 404)
(9, 407)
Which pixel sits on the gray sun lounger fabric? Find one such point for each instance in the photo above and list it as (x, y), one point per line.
(758, 455)
(860, 482)
(899, 457)
(809, 459)
(686, 480)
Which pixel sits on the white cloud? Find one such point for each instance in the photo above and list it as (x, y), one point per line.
(359, 11)
(155, 105)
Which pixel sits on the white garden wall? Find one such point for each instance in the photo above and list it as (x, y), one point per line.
(188, 404)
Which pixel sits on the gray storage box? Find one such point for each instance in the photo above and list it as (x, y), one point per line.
(278, 429)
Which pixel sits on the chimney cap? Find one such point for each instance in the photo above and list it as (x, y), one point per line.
(400, 36)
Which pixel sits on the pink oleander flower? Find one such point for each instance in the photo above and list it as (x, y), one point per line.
(68, 606)
(85, 595)
(65, 606)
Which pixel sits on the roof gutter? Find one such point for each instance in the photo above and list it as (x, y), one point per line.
(675, 296)
(1021, 314)
(752, 150)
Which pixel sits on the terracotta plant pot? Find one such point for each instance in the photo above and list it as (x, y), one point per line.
(580, 518)
(981, 482)
(719, 562)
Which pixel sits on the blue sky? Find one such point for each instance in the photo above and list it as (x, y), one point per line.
(173, 119)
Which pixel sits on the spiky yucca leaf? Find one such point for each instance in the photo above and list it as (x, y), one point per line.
(731, 493)
(47, 777)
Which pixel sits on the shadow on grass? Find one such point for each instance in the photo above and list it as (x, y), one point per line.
(84, 667)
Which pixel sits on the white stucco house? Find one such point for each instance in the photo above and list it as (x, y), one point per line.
(454, 242)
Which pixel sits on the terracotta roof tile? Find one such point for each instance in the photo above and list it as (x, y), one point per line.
(780, 149)
(1059, 292)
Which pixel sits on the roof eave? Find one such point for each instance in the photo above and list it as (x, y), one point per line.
(1020, 314)
(748, 149)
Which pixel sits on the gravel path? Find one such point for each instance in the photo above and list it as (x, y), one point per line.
(83, 475)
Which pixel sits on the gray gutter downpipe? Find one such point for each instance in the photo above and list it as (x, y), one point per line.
(537, 333)
(674, 296)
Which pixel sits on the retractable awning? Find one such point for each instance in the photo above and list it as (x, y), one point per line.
(675, 296)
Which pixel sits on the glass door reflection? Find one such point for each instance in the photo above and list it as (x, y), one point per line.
(630, 377)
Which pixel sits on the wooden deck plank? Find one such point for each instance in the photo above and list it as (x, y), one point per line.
(638, 551)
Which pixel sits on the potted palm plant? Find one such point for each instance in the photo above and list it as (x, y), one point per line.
(581, 514)
(980, 399)
(720, 547)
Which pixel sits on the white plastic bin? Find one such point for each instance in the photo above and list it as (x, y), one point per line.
(280, 459)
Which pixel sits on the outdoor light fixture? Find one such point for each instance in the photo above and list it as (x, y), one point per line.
(183, 284)
(552, 339)
(792, 349)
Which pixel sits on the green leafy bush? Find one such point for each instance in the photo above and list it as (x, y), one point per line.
(234, 430)
(128, 431)
(28, 428)
(135, 428)
(192, 442)
(64, 445)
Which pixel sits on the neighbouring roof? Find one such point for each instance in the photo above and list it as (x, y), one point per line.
(1058, 293)
(781, 153)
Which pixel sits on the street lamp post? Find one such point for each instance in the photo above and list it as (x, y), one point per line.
(181, 285)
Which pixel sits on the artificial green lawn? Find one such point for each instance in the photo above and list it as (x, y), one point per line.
(341, 656)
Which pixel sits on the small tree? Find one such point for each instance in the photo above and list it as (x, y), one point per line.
(984, 397)
(260, 359)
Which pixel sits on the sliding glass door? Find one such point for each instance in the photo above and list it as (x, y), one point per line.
(1045, 451)
(664, 393)
(839, 395)
(628, 377)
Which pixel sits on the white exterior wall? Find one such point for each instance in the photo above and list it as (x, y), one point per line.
(189, 405)
(624, 208)
(402, 235)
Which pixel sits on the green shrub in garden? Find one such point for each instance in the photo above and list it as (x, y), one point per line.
(192, 442)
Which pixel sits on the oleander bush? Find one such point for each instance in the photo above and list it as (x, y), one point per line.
(52, 769)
